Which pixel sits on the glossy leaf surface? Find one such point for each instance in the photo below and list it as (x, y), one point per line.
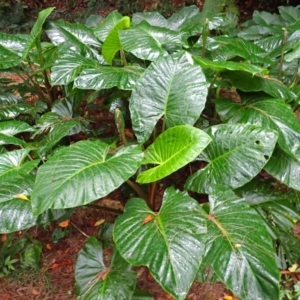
(248, 83)
(87, 163)
(236, 154)
(220, 66)
(285, 167)
(95, 281)
(279, 205)
(112, 42)
(36, 31)
(173, 149)
(107, 77)
(149, 42)
(15, 127)
(11, 48)
(11, 161)
(240, 249)
(265, 112)
(171, 88)
(106, 25)
(173, 259)
(68, 66)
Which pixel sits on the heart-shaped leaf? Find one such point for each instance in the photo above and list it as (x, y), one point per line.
(15, 208)
(285, 168)
(240, 249)
(112, 42)
(236, 154)
(172, 150)
(149, 42)
(68, 66)
(278, 205)
(248, 83)
(178, 19)
(154, 18)
(10, 162)
(106, 25)
(77, 37)
(232, 46)
(147, 238)
(220, 66)
(95, 281)
(171, 87)
(265, 112)
(11, 106)
(11, 48)
(88, 163)
(15, 127)
(107, 77)
(15, 184)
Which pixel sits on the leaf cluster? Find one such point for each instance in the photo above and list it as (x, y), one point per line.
(220, 109)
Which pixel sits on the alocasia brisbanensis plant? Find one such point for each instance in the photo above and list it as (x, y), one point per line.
(211, 103)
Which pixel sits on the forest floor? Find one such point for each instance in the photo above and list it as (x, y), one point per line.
(55, 278)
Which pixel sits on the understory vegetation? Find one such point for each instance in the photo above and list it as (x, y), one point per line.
(191, 95)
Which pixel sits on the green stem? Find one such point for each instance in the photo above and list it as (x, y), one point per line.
(137, 189)
(213, 82)
(123, 57)
(205, 33)
(47, 83)
(283, 43)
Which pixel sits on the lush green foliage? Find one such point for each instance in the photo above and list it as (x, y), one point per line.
(220, 108)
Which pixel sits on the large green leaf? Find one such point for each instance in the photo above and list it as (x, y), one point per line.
(10, 162)
(248, 83)
(289, 13)
(254, 32)
(81, 173)
(236, 154)
(278, 205)
(69, 65)
(11, 48)
(264, 18)
(15, 184)
(55, 135)
(170, 242)
(35, 33)
(16, 213)
(172, 88)
(77, 37)
(232, 47)
(107, 77)
(285, 167)
(15, 127)
(96, 281)
(11, 106)
(61, 31)
(178, 19)
(220, 66)
(265, 112)
(149, 42)
(154, 18)
(106, 25)
(240, 249)
(8, 139)
(112, 42)
(172, 150)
